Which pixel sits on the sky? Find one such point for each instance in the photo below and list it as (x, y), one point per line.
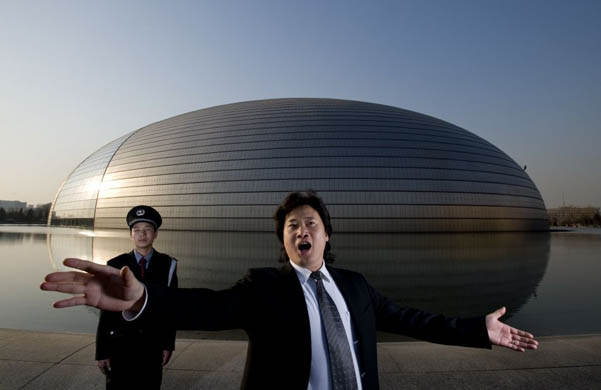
(524, 75)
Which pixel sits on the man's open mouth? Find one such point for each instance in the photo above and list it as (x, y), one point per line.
(304, 246)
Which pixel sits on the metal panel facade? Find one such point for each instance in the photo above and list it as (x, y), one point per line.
(379, 168)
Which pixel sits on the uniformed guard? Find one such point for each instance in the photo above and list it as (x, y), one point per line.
(131, 355)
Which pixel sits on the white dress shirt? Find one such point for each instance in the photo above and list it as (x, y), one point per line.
(320, 364)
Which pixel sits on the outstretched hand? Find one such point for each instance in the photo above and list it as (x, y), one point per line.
(506, 336)
(99, 286)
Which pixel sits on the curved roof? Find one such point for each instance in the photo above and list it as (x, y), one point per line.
(378, 168)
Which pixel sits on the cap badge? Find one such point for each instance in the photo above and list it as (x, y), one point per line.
(141, 212)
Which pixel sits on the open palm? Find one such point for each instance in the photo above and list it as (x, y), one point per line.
(99, 286)
(506, 336)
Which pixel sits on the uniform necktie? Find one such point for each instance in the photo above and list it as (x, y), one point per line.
(142, 266)
(341, 360)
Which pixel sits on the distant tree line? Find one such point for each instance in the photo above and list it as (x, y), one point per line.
(33, 215)
(575, 216)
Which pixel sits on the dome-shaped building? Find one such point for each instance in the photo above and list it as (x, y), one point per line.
(378, 168)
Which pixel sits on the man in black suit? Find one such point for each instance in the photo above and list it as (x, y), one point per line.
(133, 354)
(309, 325)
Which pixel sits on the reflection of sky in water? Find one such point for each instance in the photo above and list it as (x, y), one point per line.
(549, 282)
(25, 256)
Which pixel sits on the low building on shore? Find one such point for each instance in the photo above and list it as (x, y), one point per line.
(12, 205)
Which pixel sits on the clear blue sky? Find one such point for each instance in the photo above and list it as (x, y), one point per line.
(525, 75)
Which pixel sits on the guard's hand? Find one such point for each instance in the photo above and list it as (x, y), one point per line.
(105, 366)
(166, 357)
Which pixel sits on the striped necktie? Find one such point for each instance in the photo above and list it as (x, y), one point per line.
(339, 351)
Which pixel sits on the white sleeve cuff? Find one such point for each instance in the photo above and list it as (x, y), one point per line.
(132, 315)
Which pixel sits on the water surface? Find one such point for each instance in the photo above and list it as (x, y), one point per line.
(548, 281)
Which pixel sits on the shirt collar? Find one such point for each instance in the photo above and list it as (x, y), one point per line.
(303, 274)
(147, 257)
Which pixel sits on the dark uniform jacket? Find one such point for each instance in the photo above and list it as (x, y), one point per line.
(269, 304)
(114, 333)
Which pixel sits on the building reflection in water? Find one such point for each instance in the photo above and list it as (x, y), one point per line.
(456, 274)
(12, 238)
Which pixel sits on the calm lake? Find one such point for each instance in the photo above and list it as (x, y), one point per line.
(550, 282)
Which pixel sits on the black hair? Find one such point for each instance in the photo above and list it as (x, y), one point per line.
(291, 202)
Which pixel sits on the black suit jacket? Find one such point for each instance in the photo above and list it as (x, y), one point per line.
(114, 333)
(269, 304)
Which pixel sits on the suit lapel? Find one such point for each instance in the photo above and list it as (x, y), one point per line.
(292, 309)
(133, 265)
(355, 301)
(152, 264)
(293, 291)
(294, 300)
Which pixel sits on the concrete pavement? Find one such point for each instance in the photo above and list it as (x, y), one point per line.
(39, 360)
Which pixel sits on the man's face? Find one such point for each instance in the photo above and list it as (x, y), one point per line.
(305, 237)
(143, 235)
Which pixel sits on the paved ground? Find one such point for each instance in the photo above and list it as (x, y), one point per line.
(37, 360)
